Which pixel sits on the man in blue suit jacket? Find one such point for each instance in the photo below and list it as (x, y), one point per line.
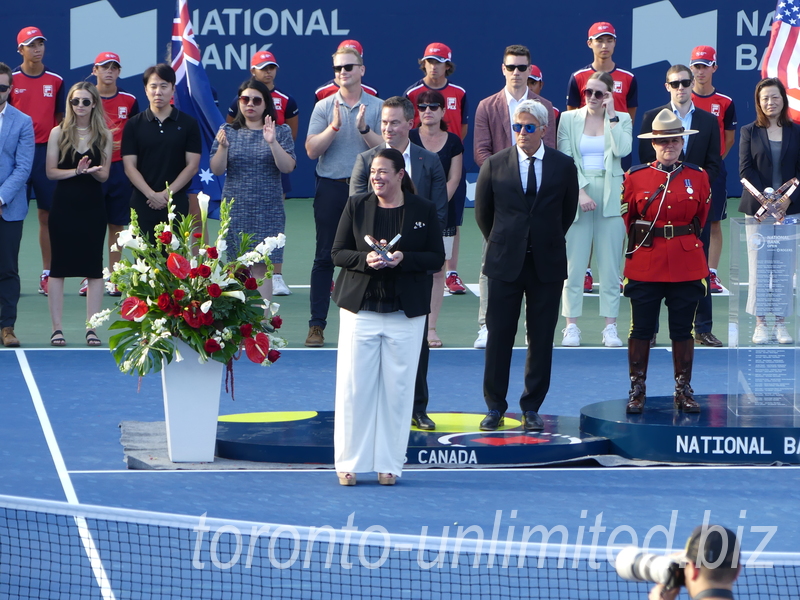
(16, 159)
(397, 119)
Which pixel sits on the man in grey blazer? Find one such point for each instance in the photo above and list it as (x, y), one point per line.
(16, 159)
(425, 168)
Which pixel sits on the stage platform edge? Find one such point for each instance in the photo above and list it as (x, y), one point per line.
(716, 435)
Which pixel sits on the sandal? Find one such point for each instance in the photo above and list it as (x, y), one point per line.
(346, 478)
(387, 478)
(433, 339)
(57, 339)
(92, 339)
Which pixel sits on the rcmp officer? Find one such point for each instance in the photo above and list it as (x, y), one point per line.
(664, 204)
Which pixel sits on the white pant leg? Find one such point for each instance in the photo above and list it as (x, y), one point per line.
(399, 360)
(357, 389)
(609, 235)
(579, 246)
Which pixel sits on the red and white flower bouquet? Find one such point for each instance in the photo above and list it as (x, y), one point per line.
(211, 304)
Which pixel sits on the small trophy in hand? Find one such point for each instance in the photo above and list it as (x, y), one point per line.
(382, 247)
(773, 203)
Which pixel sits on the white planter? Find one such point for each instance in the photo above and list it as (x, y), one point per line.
(191, 406)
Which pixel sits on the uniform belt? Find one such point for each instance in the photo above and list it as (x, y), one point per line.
(671, 231)
(343, 180)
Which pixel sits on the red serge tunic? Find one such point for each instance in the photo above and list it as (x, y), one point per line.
(688, 195)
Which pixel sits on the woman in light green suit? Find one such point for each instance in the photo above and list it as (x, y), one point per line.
(596, 137)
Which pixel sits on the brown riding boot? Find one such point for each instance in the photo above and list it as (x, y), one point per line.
(638, 356)
(682, 359)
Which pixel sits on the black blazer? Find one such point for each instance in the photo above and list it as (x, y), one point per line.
(703, 148)
(421, 245)
(755, 163)
(507, 222)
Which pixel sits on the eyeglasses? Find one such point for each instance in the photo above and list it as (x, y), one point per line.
(680, 82)
(667, 141)
(433, 106)
(588, 93)
(529, 127)
(348, 68)
(79, 101)
(254, 100)
(4, 88)
(521, 68)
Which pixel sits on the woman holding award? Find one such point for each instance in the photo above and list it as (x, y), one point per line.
(769, 156)
(383, 294)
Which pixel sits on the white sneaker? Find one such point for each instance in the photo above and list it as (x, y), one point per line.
(572, 335)
(782, 334)
(483, 333)
(760, 335)
(279, 287)
(610, 336)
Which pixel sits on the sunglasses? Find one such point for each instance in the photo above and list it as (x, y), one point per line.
(254, 100)
(529, 128)
(599, 95)
(667, 141)
(79, 101)
(432, 106)
(348, 68)
(681, 82)
(521, 68)
(4, 88)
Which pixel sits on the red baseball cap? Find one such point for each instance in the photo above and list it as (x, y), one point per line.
(704, 55)
(602, 28)
(263, 59)
(438, 51)
(352, 44)
(27, 35)
(536, 73)
(106, 57)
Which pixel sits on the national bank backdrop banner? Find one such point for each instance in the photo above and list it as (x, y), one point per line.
(303, 34)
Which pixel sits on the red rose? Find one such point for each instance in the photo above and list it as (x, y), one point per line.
(178, 294)
(165, 302)
(192, 273)
(250, 283)
(257, 349)
(133, 308)
(212, 252)
(246, 330)
(204, 271)
(165, 237)
(273, 355)
(276, 321)
(178, 265)
(192, 313)
(212, 346)
(197, 235)
(207, 318)
(242, 273)
(214, 290)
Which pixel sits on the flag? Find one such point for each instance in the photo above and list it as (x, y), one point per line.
(782, 59)
(194, 96)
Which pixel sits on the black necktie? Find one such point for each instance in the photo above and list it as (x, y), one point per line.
(530, 193)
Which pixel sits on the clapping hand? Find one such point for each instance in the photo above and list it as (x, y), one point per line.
(361, 119)
(337, 118)
(222, 139)
(84, 167)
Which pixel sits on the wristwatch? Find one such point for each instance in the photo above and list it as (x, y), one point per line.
(367, 130)
(614, 119)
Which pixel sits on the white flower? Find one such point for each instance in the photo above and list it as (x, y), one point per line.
(227, 334)
(250, 258)
(203, 200)
(222, 245)
(206, 306)
(114, 248)
(141, 266)
(193, 263)
(274, 307)
(271, 243)
(174, 243)
(99, 318)
(106, 273)
(202, 252)
(171, 217)
(159, 325)
(127, 240)
(235, 294)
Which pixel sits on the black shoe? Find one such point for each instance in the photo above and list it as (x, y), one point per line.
(492, 420)
(422, 421)
(531, 421)
(707, 339)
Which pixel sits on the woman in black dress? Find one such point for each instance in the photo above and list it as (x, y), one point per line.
(78, 158)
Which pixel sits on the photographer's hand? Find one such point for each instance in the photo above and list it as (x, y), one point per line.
(658, 592)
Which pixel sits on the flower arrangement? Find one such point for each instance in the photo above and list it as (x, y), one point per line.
(210, 304)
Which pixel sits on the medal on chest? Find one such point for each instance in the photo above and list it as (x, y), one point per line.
(688, 185)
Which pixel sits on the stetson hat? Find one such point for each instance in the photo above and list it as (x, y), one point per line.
(666, 125)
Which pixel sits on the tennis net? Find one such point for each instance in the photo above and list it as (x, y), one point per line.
(58, 550)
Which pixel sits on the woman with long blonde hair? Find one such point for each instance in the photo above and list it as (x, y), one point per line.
(78, 158)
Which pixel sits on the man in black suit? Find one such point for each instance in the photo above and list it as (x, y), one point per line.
(701, 149)
(525, 200)
(425, 168)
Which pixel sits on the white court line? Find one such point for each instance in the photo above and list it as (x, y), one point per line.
(328, 471)
(89, 546)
